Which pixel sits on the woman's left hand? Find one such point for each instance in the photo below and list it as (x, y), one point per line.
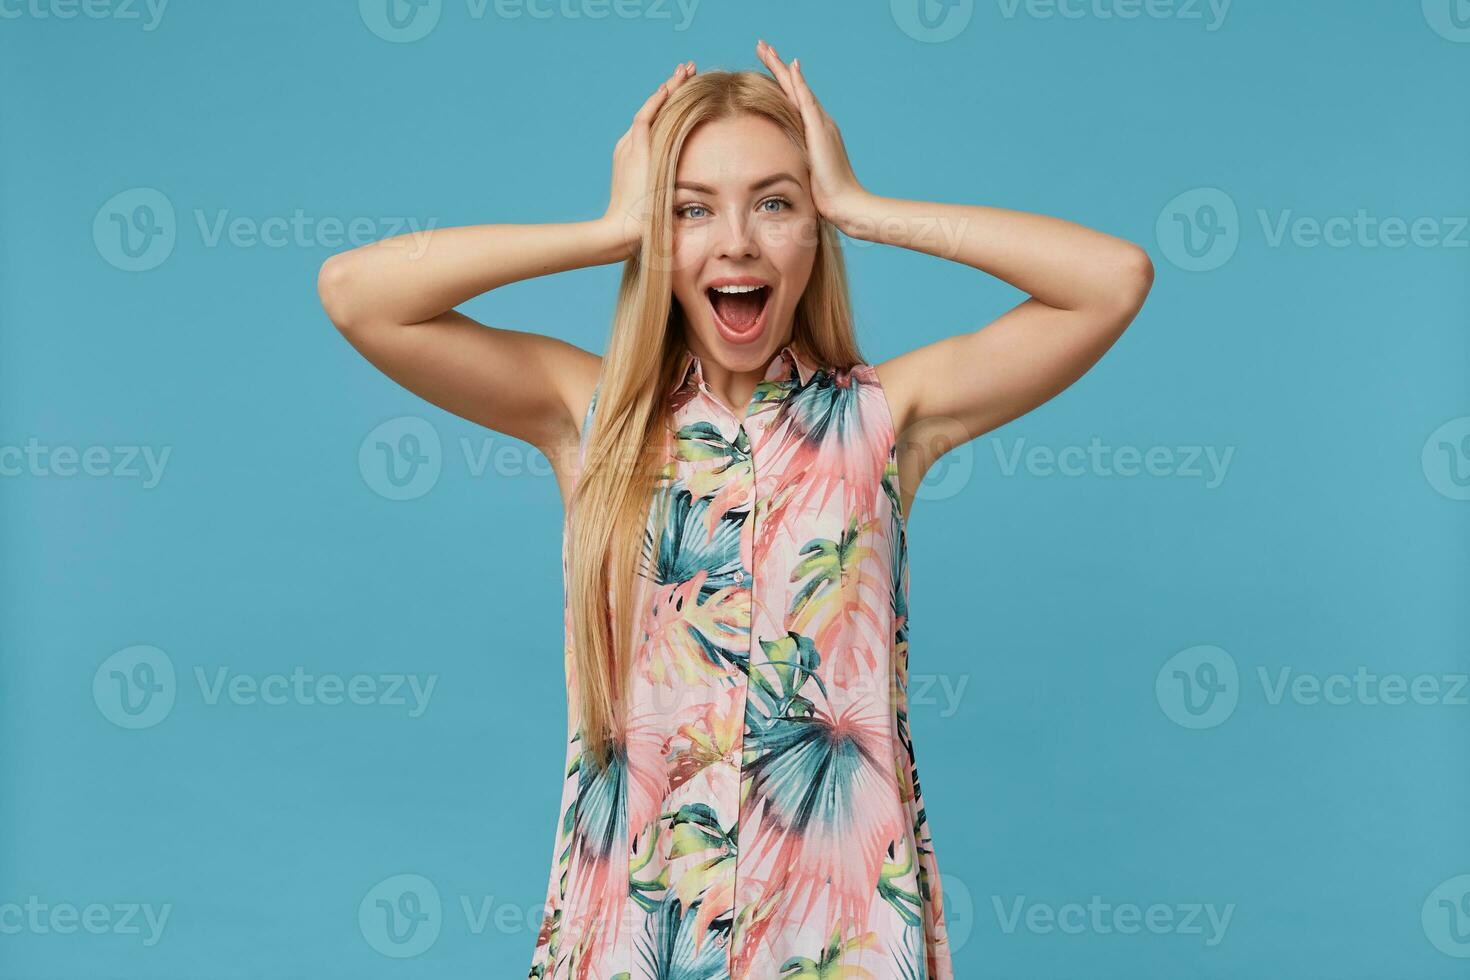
(835, 189)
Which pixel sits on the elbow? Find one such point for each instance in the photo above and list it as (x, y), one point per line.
(334, 287)
(1132, 279)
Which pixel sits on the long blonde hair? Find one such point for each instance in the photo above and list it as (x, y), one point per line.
(627, 443)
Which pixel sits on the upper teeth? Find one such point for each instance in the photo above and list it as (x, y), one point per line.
(737, 289)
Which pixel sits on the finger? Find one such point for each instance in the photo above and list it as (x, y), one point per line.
(778, 71)
(802, 89)
(651, 105)
(806, 104)
(682, 74)
(655, 103)
(772, 60)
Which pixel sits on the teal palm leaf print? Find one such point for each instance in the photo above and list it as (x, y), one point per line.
(672, 949)
(810, 771)
(685, 547)
(601, 803)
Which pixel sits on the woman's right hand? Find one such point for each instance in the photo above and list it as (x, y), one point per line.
(627, 209)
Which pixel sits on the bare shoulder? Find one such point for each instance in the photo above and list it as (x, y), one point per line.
(898, 376)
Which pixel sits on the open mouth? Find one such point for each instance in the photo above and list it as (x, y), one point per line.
(741, 313)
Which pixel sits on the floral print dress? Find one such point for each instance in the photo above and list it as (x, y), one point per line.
(761, 816)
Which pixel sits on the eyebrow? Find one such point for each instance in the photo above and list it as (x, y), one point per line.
(758, 185)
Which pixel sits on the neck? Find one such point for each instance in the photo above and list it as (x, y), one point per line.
(735, 384)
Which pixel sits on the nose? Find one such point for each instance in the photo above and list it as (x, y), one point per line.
(736, 238)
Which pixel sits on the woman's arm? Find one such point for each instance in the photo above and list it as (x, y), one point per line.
(1085, 288)
(417, 276)
(394, 300)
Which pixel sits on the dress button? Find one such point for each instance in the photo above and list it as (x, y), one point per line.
(740, 576)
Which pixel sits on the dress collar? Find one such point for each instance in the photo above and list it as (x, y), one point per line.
(781, 366)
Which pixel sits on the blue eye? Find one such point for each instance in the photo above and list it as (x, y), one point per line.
(684, 211)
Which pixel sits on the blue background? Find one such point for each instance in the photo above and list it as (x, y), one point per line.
(1053, 603)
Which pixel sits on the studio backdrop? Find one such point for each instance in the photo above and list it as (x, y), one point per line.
(281, 643)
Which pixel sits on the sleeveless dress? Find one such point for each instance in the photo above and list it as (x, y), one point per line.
(761, 818)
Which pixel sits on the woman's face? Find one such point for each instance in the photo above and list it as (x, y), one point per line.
(743, 220)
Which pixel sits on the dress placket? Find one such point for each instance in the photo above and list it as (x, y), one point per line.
(747, 431)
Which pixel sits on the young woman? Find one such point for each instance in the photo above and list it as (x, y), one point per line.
(741, 797)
